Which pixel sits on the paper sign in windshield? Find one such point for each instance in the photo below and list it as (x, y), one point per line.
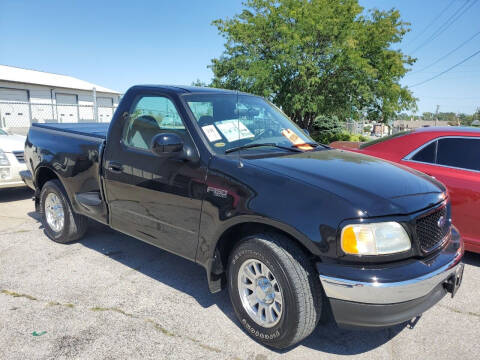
(234, 130)
(211, 133)
(296, 140)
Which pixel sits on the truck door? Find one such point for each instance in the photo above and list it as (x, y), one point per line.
(153, 198)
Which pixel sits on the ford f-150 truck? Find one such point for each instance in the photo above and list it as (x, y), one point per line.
(292, 228)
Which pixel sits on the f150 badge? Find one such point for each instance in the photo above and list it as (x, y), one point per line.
(217, 192)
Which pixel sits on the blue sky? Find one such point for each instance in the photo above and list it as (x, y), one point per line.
(120, 43)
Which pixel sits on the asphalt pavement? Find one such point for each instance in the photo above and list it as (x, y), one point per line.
(109, 296)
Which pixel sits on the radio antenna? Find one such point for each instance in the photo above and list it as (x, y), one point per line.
(237, 113)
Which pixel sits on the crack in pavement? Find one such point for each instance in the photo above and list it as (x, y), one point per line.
(17, 231)
(468, 313)
(157, 326)
(15, 294)
(12, 217)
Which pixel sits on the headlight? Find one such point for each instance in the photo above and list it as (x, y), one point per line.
(375, 239)
(3, 159)
(4, 173)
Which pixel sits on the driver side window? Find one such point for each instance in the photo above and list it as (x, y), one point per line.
(150, 116)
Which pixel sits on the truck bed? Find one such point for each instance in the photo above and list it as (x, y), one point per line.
(73, 152)
(98, 130)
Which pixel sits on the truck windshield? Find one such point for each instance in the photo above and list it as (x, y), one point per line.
(231, 121)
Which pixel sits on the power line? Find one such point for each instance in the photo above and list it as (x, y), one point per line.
(443, 26)
(447, 55)
(447, 70)
(455, 16)
(452, 97)
(450, 21)
(434, 20)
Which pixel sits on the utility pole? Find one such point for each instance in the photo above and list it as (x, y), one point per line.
(436, 114)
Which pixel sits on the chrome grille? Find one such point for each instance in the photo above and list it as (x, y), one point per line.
(20, 156)
(432, 229)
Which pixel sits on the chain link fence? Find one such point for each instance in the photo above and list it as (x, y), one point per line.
(353, 127)
(17, 117)
(367, 128)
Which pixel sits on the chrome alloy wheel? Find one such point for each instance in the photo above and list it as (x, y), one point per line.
(54, 212)
(260, 293)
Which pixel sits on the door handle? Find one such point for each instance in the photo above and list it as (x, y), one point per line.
(115, 167)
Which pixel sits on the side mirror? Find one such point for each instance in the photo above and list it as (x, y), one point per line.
(167, 143)
(306, 132)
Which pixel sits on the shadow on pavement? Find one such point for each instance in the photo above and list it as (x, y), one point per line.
(471, 258)
(190, 278)
(329, 338)
(15, 194)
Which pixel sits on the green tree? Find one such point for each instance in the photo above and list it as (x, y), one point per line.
(465, 119)
(316, 57)
(428, 116)
(200, 83)
(403, 116)
(325, 128)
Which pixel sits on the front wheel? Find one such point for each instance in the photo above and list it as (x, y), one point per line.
(274, 290)
(61, 224)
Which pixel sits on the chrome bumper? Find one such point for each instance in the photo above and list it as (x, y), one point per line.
(391, 292)
(12, 177)
(12, 184)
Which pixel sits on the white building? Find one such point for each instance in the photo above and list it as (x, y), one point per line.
(28, 96)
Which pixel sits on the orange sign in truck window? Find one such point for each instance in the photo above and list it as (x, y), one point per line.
(296, 140)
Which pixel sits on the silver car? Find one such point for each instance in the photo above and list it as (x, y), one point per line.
(11, 159)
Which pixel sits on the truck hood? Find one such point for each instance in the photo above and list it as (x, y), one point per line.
(9, 143)
(375, 187)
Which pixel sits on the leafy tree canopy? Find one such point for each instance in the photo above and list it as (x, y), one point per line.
(313, 57)
(200, 83)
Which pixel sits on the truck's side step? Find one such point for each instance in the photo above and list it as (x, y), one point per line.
(89, 199)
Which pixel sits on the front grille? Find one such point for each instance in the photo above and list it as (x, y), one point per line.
(432, 229)
(20, 156)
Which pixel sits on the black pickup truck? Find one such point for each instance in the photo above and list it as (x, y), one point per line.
(293, 229)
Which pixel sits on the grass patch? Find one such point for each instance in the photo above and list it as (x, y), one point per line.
(160, 328)
(117, 310)
(14, 294)
(471, 313)
(206, 347)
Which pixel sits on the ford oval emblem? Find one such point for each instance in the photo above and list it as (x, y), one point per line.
(441, 221)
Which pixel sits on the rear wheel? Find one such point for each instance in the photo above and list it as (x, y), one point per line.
(274, 289)
(61, 224)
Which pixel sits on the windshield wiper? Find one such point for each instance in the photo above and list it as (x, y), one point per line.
(249, 146)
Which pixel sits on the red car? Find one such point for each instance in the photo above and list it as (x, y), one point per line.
(449, 154)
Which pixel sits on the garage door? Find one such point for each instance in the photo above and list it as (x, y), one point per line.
(105, 109)
(67, 109)
(13, 110)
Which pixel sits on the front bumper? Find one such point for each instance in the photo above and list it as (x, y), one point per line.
(385, 295)
(11, 184)
(10, 174)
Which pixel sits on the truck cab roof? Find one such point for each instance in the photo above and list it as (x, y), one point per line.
(182, 89)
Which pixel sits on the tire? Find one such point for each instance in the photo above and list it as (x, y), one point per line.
(74, 225)
(293, 293)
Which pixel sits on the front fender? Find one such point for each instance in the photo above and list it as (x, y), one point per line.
(207, 246)
(247, 194)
